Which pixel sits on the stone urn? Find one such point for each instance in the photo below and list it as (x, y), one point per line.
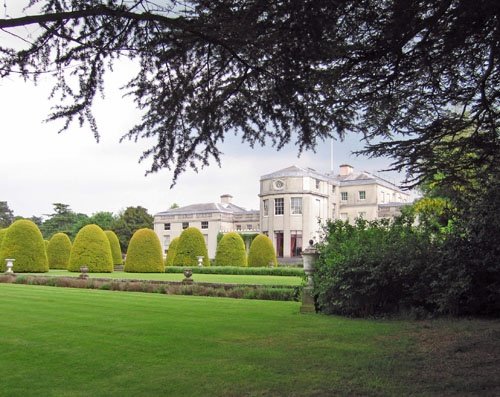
(9, 264)
(84, 272)
(309, 257)
(187, 274)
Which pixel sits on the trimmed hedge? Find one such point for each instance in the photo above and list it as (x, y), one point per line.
(191, 245)
(231, 251)
(24, 242)
(172, 250)
(267, 292)
(58, 251)
(116, 250)
(91, 248)
(144, 254)
(262, 252)
(256, 271)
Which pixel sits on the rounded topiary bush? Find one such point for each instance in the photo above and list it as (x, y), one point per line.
(144, 254)
(2, 235)
(116, 250)
(24, 242)
(58, 251)
(261, 252)
(231, 251)
(172, 250)
(191, 245)
(91, 248)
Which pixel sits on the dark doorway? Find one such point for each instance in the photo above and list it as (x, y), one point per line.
(279, 244)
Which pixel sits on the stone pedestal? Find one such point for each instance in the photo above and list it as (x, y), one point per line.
(307, 301)
(310, 256)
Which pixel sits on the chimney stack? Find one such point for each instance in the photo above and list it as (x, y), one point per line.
(346, 169)
(226, 198)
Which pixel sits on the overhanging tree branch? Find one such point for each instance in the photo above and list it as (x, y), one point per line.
(278, 72)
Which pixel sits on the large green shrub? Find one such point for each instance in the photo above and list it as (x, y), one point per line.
(262, 252)
(114, 243)
(231, 251)
(172, 250)
(58, 251)
(23, 242)
(191, 245)
(91, 248)
(376, 267)
(144, 254)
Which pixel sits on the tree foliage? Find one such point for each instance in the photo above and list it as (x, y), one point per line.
(23, 242)
(6, 215)
(276, 72)
(144, 254)
(63, 220)
(377, 267)
(129, 221)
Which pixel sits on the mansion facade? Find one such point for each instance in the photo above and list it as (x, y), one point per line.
(294, 203)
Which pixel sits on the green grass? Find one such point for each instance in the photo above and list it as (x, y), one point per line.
(204, 278)
(71, 342)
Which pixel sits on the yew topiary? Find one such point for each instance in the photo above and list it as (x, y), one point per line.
(144, 254)
(231, 251)
(262, 252)
(91, 248)
(172, 250)
(116, 250)
(191, 245)
(2, 235)
(24, 242)
(58, 251)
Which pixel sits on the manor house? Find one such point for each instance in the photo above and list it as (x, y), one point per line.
(294, 203)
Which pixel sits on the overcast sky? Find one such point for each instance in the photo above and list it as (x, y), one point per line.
(39, 167)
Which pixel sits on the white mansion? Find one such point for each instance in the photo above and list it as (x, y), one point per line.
(294, 202)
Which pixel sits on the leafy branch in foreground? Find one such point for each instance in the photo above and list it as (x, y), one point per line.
(276, 72)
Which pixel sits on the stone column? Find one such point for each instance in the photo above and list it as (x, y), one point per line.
(309, 256)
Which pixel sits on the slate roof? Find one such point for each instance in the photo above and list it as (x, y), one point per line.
(227, 208)
(295, 171)
(354, 178)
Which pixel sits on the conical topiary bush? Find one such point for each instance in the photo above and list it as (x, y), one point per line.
(116, 250)
(2, 235)
(24, 242)
(262, 252)
(231, 251)
(144, 254)
(58, 251)
(191, 245)
(172, 250)
(91, 248)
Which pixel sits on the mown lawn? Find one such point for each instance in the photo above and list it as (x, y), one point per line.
(203, 278)
(72, 342)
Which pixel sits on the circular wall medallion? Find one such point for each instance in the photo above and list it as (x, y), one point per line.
(279, 184)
